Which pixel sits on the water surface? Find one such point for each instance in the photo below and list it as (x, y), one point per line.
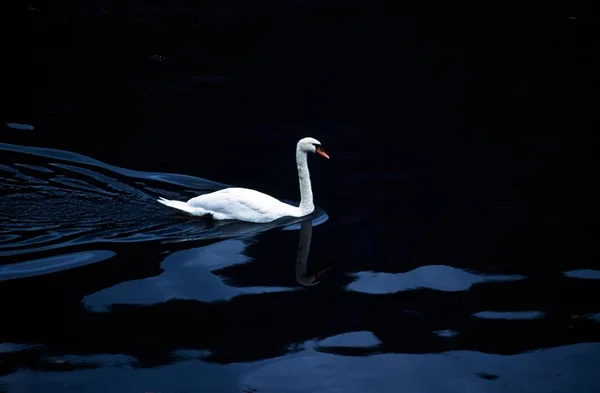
(123, 294)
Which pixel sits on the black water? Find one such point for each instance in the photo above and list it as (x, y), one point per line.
(453, 248)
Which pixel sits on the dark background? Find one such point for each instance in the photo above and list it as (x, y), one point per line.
(457, 132)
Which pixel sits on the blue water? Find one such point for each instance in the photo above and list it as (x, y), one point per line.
(452, 248)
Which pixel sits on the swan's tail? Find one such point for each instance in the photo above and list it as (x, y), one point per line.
(183, 206)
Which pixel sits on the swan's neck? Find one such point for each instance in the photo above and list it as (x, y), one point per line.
(306, 196)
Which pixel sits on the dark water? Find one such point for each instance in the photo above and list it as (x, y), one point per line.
(454, 244)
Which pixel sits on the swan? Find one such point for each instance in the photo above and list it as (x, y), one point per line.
(248, 205)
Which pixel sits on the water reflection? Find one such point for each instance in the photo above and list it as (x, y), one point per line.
(302, 278)
(187, 275)
(197, 273)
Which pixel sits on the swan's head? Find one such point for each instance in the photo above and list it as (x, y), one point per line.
(311, 145)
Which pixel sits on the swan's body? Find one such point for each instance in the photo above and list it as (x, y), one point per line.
(253, 206)
(241, 204)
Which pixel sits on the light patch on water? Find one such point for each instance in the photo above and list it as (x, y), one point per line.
(19, 126)
(187, 275)
(92, 360)
(436, 277)
(456, 371)
(509, 314)
(189, 354)
(12, 347)
(352, 339)
(594, 317)
(54, 264)
(591, 316)
(584, 274)
(118, 373)
(446, 333)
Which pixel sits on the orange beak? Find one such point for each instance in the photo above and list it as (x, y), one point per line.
(321, 152)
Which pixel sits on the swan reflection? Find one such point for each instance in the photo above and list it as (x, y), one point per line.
(302, 256)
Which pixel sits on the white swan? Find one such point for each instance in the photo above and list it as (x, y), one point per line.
(253, 206)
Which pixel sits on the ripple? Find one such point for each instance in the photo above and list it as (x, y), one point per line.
(52, 264)
(436, 277)
(182, 180)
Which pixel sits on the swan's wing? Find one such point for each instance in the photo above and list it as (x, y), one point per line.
(242, 204)
(223, 200)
